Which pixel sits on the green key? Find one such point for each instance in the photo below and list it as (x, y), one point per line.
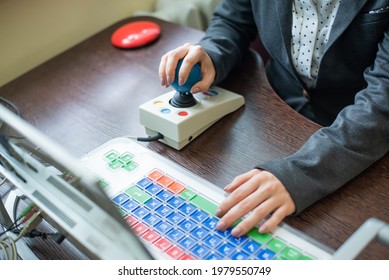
(276, 245)
(122, 212)
(204, 204)
(130, 166)
(188, 194)
(126, 157)
(103, 184)
(261, 238)
(290, 254)
(112, 155)
(115, 164)
(137, 194)
(305, 258)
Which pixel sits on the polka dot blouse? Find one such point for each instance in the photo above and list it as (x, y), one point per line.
(312, 22)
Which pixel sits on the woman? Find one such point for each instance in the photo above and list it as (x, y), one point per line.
(329, 60)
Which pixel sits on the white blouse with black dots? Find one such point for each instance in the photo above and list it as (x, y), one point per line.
(312, 22)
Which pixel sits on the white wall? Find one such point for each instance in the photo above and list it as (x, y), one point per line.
(33, 31)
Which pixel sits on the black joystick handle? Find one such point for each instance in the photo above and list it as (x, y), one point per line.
(183, 98)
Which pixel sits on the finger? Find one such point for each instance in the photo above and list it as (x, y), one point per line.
(208, 77)
(251, 202)
(172, 60)
(237, 196)
(162, 70)
(275, 219)
(257, 215)
(241, 179)
(191, 58)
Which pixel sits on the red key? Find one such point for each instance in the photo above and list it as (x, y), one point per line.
(150, 236)
(140, 228)
(163, 244)
(165, 181)
(155, 175)
(175, 252)
(176, 187)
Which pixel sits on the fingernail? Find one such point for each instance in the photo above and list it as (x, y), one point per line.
(226, 187)
(220, 225)
(236, 232)
(180, 81)
(218, 212)
(169, 79)
(262, 229)
(163, 82)
(195, 90)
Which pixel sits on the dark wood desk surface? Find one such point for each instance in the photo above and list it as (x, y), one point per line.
(91, 93)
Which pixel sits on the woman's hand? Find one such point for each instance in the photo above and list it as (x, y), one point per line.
(257, 191)
(191, 55)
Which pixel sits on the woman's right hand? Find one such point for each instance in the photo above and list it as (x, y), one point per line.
(191, 54)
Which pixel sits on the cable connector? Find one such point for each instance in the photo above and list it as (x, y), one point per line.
(31, 224)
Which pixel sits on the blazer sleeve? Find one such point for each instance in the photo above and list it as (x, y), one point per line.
(358, 137)
(229, 34)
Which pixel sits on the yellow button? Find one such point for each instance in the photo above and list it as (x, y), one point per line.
(158, 103)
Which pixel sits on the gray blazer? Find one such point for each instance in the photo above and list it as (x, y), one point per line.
(350, 98)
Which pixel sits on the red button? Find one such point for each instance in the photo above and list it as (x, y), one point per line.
(183, 113)
(135, 34)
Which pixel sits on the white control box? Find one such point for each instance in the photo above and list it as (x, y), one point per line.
(180, 126)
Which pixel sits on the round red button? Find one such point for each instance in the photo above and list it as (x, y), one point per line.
(135, 34)
(183, 113)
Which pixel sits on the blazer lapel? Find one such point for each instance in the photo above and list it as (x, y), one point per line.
(284, 14)
(347, 11)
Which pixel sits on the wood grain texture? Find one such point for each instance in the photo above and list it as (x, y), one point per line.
(91, 93)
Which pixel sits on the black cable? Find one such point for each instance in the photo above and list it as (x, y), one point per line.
(150, 138)
(10, 105)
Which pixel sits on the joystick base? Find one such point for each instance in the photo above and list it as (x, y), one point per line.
(180, 126)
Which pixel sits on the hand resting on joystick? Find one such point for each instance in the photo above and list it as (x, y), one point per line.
(183, 98)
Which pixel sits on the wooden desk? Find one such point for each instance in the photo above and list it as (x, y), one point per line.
(91, 93)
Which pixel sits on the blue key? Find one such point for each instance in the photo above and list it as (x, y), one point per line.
(212, 240)
(200, 251)
(199, 216)
(175, 234)
(175, 218)
(199, 233)
(163, 227)
(213, 256)
(130, 205)
(153, 203)
(151, 219)
(187, 242)
(141, 212)
(251, 247)
(120, 199)
(237, 241)
(164, 210)
(265, 254)
(175, 202)
(211, 222)
(187, 225)
(144, 183)
(225, 249)
(164, 195)
(239, 255)
(153, 189)
(225, 233)
(187, 209)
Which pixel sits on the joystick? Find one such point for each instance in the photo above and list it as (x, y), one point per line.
(181, 116)
(183, 98)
